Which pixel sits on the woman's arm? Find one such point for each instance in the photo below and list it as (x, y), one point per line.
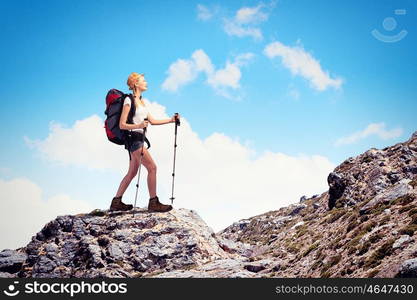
(123, 119)
(159, 122)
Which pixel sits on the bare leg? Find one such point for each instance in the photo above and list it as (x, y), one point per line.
(154, 204)
(133, 169)
(151, 168)
(152, 183)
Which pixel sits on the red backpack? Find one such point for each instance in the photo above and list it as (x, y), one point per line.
(114, 107)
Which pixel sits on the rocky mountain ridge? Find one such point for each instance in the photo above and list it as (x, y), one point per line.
(363, 226)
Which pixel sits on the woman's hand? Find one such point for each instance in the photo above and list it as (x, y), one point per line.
(176, 116)
(143, 124)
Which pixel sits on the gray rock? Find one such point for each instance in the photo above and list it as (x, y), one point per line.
(298, 224)
(65, 222)
(296, 210)
(235, 247)
(121, 234)
(94, 220)
(11, 261)
(7, 275)
(115, 252)
(119, 245)
(126, 248)
(337, 186)
(44, 266)
(95, 256)
(408, 269)
(96, 230)
(278, 222)
(404, 239)
(394, 177)
(69, 248)
(400, 189)
(254, 268)
(410, 169)
(316, 205)
(50, 230)
(78, 228)
(51, 248)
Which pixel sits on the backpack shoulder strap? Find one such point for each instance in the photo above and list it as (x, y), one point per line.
(132, 109)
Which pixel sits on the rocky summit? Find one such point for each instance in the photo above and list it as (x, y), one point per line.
(363, 226)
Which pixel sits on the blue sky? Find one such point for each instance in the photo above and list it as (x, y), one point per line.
(59, 58)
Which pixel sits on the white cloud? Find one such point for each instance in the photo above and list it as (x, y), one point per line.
(180, 73)
(228, 77)
(234, 29)
(203, 13)
(251, 15)
(377, 129)
(302, 63)
(202, 63)
(243, 59)
(220, 177)
(184, 71)
(247, 20)
(75, 145)
(25, 211)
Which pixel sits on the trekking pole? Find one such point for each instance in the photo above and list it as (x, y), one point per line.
(177, 123)
(140, 164)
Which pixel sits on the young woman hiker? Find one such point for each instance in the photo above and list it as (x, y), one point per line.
(138, 85)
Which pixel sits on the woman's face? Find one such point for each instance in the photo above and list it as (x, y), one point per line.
(142, 84)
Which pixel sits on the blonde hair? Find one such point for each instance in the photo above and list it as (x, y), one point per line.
(132, 79)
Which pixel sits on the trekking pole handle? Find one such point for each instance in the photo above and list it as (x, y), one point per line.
(177, 120)
(144, 128)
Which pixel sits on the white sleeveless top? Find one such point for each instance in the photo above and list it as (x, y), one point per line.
(140, 114)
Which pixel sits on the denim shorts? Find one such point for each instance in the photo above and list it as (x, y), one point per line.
(135, 145)
(134, 142)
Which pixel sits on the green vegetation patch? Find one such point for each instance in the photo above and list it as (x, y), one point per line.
(375, 238)
(294, 247)
(407, 208)
(370, 226)
(301, 230)
(379, 209)
(335, 214)
(409, 229)
(353, 242)
(352, 250)
(97, 213)
(412, 211)
(372, 273)
(351, 226)
(384, 220)
(311, 248)
(367, 159)
(403, 200)
(413, 183)
(334, 260)
(335, 244)
(413, 219)
(379, 254)
(365, 247)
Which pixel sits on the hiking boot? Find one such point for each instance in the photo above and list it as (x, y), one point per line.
(117, 204)
(155, 205)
